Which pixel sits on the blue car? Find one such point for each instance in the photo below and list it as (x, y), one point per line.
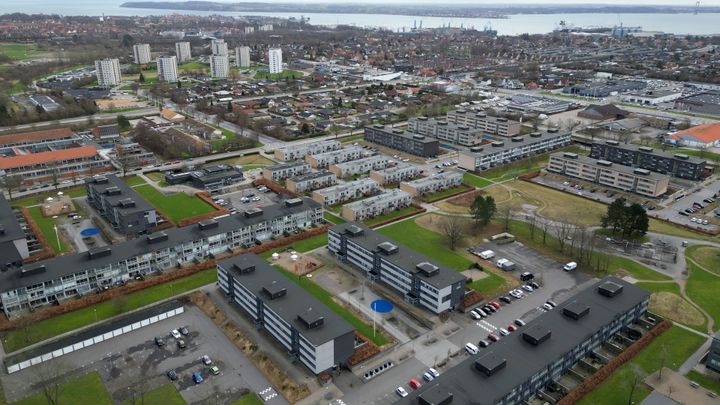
(197, 377)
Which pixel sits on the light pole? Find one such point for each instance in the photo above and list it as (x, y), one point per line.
(57, 236)
(95, 313)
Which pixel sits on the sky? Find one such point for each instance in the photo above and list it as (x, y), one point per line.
(504, 2)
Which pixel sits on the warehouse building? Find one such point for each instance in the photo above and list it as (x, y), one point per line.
(433, 183)
(380, 204)
(625, 178)
(359, 166)
(323, 160)
(446, 132)
(295, 152)
(310, 181)
(516, 148)
(120, 205)
(512, 370)
(281, 172)
(395, 174)
(346, 191)
(63, 277)
(420, 281)
(309, 330)
(673, 164)
(408, 142)
(479, 120)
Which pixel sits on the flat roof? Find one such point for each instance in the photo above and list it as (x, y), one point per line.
(77, 262)
(434, 178)
(297, 163)
(508, 143)
(415, 137)
(405, 258)
(482, 115)
(8, 221)
(437, 123)
(400, 167)
(295, 305)
(36, 136)
(649, 150)
(307, 146)
(347, 186)
(30, 159)
(390, 195)
(126, 192)
(312, 176)
(524, 359)
(337, 152)
(350, 163)
(602, 164)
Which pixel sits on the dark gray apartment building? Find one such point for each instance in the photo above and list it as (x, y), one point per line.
(520, 364)
(673, 164)
(408, 142)
(120, 205)
(420, 281)
(209, 177)
(13, 245)
(310, 331)
(713, 358)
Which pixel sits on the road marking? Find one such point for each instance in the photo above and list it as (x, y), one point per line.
(268, 394)
(486, 325)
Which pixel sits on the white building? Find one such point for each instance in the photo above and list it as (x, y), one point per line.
(167, 69)
(281, 172)
(219, 47)
(517, 147)
(249, 30)
(242, 56)
(359, 166)
(294, 152)
(346, 191)
(141, 52)
(107, 72)
(265, 27)
(432, 184)
(182, 51)
(219, 66)
(395, 174)
(371, 207)
(275, 60)
(310, 181)
(323, 160)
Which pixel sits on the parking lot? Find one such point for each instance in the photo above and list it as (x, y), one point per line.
(134, 363)
(247, 198)
(710, 190)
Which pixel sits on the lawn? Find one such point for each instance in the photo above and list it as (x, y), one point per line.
(678, 342)
(165, 394)
(667, 302)
(713, 384)
(488, 286)
(73, 192)
(702, 288)
(311, 243)
(133, 181)
(352, 138)
(446, 193)
(426, 241)
(390, 215)
(20, 51)
(249, 399)
(703, 154)
(635, 269)
(333, 218)
(42, 330)
(87, 389)
(251, 159)
(155, 176)
(275, 76)
(176, 206)
(194, 65)
(47, 227)
(706, 256)
(475, 181)
(326, 298)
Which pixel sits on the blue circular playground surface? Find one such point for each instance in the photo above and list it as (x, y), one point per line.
(89, 232)
(381, 306)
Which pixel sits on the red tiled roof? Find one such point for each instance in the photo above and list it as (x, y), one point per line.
(46, 157)
(706, 133)
(35, 136)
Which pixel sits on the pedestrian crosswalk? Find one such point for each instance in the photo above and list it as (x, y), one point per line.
(268, 394)
(337, 402)
(490, 328)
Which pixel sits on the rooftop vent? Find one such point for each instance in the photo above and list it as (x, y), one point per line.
(481, 115)
(157, 237)
(645, 149)
(293, 202)
(681, 156)
(427, 269)
(498, 144)
(416, 136)
(476, 149)
(387, 248)
(610, 289)
(463, 127)
(99, 252)
(517, 138)
(243, 270)
(435, 395)
(536, 335)
(32, 270)
(379, 126)
(461, 111)
(311, 319)
(274, 290)
(126, 203)
(613, 143)
(553, 130)
(354, 230)
(570, 155)
(576, 310)
(397, 131)
(112, 191)
(253, 212)
(490, 364)
(422, 118)
(536, 134)
(643, 172)
(501, 119)
(604, 163)
(100, 179)
(208, 224)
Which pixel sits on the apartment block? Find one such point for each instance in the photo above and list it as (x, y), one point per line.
(242, 56)
(518, 366)
(107, 72)
(209, 177)
(77, 274)
(37, 141)
(50, 165)
(281, 172)
(295, 152)
(167, 69)
(120, 205)
(446, 132)
(323, 160)
(479, 120)
(673, 164)
(275, 61)
(432, 184)
(310, 331)
(346, 191)
(412, 275)
(219, 47)
(518, 147)
(625, 178)
(106, 133)
(141, 53)
(380, 204)
(395, 174)
(183, 51)
(132, 155)
(713, 357)
(359, 166)
(13, 245)
(219, 66)
(408, 142)
(310, 181)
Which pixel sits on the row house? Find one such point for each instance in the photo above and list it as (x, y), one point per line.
(323, 160)
(278, 173)
(359, 166)
(310, 181)
(346, 191)
(518, 147)
(395, 174)
(433, 183)
(380, 204)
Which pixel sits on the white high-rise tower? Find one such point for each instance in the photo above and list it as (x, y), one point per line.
(219, 66)
(275, 60)
(242, 56)
(182, 51)
(167, 69)
(141, 52)
(107, 72)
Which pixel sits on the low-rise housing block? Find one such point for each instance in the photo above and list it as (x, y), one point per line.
(380, 204)
(432, 184)
(346, 191)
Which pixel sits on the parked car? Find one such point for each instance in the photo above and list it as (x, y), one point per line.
(414, 384)
(160, 342)
(214, 370)
(504, 332)
(527, 288)
(428, 377)
(434, 372)
(471, 348)
(505, 299)
(519, 322)
(547, 306)
(493, 337)
(516, 294)
(553, 303)
(495, 304)
(511, 328)
(206, 360)
(483, 343)
(570, 266)
(526, 276)
(175, 334)
(534, 285)
(172, 375)
(475, 315)
(401, 391)
(197, 377)
(184, 330)
(181, 343)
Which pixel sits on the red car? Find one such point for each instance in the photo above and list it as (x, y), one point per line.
(415, 384)
(493, 337)
(494, 304)
(512, 328)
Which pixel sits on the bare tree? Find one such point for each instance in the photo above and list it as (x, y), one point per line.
(11, 183)
(545, 229)
(453, 229)
(638, 375)
(532, 221)
(49, 377)
(506, 218)
(564, 232)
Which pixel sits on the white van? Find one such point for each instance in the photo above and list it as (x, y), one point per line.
(471, 348)
(570, 266)
(488, 254)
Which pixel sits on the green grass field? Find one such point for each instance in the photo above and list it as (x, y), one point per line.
(670, 287)
(678, 343)
(42, 330)
(176, 206)
(475, 181)
(193, 65)
(249, 399)
(702, 288)
(390, 215)
(713, 384)
(133, 181)
(165, 394)
(73, 192)
(446, 193)
(489, 285)
(352, 138)
(47, 227)
(87, 389)
(706, 256)
(426, 241)
(20, 51)
(275, 76)
(333, 218)
(637, 270)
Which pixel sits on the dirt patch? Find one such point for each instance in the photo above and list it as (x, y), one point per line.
(672, 306)
(450, 207)
(297, 263)
(465, 200)
(474, 274)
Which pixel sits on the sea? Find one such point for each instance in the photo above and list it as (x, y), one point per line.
(700, 24)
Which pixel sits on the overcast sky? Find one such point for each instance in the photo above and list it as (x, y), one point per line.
(504, 2)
